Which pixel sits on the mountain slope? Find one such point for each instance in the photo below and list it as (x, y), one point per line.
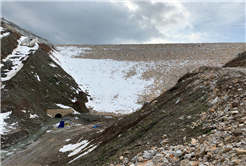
(32, 82)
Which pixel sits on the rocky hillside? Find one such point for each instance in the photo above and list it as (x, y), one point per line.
(200, 121)
(240, 61)
(31, 82)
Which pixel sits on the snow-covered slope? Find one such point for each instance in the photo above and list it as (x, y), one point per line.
(119, 86)
(106, 81)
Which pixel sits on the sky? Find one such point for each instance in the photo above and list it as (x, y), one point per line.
(130, 22)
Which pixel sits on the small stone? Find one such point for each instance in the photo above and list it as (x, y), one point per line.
(234, 112)
(226, 97)
(178, 153)
(193, 141)
(226, 149)
(126, 160)
(121, 157)
(141, 159)
(211, 110)
(134, 158)
(240, 151)
(126, 152)
(237, 162)
(158, 158)
(147, 163)
(164, 142)
(184, 162)
(192, 163)
(147, 155)
(237, 132)
(215, 101)
(164, 136)
(171, 156)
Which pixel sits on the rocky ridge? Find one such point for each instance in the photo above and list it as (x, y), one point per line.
(225, 144)
(195, 122)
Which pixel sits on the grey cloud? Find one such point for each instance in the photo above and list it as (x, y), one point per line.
(114, 23)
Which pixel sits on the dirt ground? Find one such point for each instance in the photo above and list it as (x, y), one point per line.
(46, 149)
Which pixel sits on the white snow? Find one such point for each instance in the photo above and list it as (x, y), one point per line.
(71, 147)
(86, 152)
(24, 111)
(114, 86)
(4, 34)
(33, 116)
(4, 125)
(74, 100)
(77, 150)
(77, 125)
(177, 101)
(18, 55)
(63, 106)
(106, 81)
(47, 131)
(67, 107)
(50, 115)
(2, 29)
(67, 140)
(56, 125)
(53, 65)
(36, 75)
(75, 112)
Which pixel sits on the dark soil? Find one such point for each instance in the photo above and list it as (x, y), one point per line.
(240, 61)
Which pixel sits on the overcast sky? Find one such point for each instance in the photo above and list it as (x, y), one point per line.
(132, 22)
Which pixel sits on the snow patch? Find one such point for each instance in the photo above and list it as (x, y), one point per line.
(71, 147)
(75, 112)
(20, 54)
(2, 29)
(53, 65)
(24, 111)
(63, 106)
(36, 75)
(33, 116)
(3, 125)
(67, 107)
(50, 115)
(86, 152)
(4, 34)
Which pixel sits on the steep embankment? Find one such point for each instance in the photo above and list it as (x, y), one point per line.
(207, 105)
(31, 83)
(240, 61)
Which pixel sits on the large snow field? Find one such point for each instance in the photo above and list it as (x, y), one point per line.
(107, 83)
(113, 86)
